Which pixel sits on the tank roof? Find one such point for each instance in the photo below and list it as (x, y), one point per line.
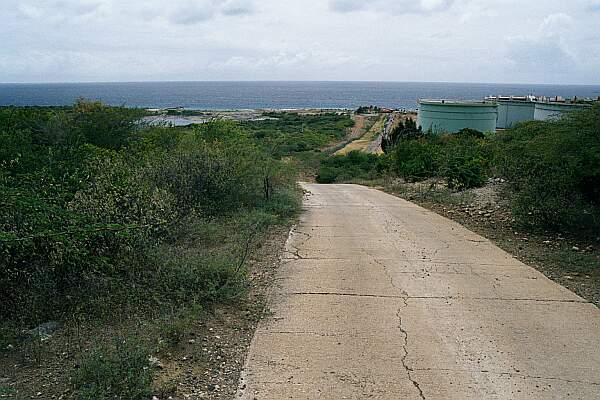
(467, 103)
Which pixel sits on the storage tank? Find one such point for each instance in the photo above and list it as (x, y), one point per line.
(451, 116)
(512, 111)
(552, 110)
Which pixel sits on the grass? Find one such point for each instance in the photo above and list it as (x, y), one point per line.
(299, 138)
(6, 391)
(362, 143)
(122, 371)
(132, 295)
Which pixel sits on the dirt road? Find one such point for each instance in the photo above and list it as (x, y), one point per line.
(380, 299)
(370, 141)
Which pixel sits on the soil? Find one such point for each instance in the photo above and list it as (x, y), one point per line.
(362, 142)
(567, 258)
(206, 364)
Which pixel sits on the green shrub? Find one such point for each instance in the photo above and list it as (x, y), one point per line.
(470, 133)
(416, 159)
(326, 174)
(292, 134)
(462, 158)
(355, 165)
(87, 193)
(406, 130)
(465, 172)
(284, 204)
(465, 159)
(554, 170)
(119, 372)
(105, 126)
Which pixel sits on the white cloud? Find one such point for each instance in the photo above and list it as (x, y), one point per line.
(396, 7)
(190, 12)
(557, 24)
(593, 6)
(57, 9)
(433, 40)
(539, 54)
(547, 50)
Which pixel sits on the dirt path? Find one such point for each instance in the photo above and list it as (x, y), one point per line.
(379, 298)
(365, 142)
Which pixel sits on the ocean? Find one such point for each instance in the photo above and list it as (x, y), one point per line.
(271, 95)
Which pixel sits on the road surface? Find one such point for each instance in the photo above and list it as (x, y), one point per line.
(378, 298)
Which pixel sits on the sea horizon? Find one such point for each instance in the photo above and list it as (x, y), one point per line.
(294, 81)
(278, 94)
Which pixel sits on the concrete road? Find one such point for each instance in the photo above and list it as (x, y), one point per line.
(378, 298)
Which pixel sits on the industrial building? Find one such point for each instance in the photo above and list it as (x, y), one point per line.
(451, 116)
(512, 110)
(497, 112)
(545, 110)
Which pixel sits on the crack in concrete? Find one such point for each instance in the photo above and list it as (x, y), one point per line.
(383, 296)
(299, 257)
(405, 349)
(448, 263)
(295, 253)
(511, 374)
(321, 334)
(295, 231)
(389, 276)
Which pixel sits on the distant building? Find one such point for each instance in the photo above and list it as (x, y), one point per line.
(514, 109)
(553, 109)
(497, 112)
(451, 116)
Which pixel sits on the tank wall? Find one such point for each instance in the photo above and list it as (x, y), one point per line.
(511, 113)
(546, 111)
(441, 118)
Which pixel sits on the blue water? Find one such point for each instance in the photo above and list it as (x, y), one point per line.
(278, 95)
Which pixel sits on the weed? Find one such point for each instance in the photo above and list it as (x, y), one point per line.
(120, 372)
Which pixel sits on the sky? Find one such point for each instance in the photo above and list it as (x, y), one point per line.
(496, 41)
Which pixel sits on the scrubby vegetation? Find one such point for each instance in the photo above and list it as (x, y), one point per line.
(554, 170)
(299, 138)
(92, 204)
(405, 130)
(104, 219)
(553, 167)
(461, 159)
(356, 165)
(290, 134)
(121, 371)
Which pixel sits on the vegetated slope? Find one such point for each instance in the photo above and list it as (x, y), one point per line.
(88, 197)
(126, 236)
(363, 143)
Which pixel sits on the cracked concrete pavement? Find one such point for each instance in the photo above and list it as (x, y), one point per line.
(377, 298)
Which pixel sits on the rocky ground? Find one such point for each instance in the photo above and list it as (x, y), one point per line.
(208, 364)
(205, 364)
(566, 258)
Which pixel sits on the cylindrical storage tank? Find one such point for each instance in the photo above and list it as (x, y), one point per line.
(550, 110)
(510, 112)
(451, 116)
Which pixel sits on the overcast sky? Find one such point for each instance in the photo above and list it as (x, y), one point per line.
(504, 41)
